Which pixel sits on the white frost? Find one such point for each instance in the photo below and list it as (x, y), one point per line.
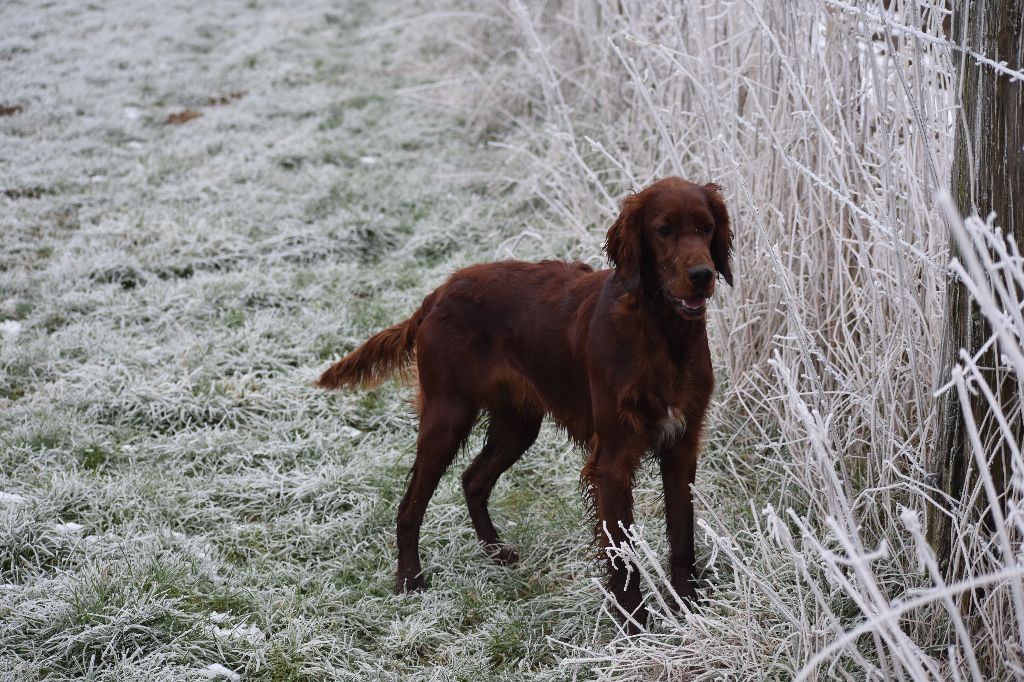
(216, 670)
(10, 329)
(69, 527)
(248, 633)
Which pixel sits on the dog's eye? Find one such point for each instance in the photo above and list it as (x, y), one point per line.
(709, 228)
(664, 230)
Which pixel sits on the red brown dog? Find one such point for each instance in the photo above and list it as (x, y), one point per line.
(619, 358)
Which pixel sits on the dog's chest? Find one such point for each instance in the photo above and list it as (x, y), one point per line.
(670, 427)
(677, 405)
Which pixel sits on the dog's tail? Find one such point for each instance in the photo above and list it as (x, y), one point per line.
(383, 354)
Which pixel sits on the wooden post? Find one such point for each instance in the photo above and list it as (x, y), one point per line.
(988, 176)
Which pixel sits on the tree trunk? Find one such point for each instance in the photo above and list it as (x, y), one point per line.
(988, 176)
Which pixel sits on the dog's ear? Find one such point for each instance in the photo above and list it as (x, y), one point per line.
(623, 243)
(721, 241)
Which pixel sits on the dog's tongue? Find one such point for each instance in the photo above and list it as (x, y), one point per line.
(695, 302)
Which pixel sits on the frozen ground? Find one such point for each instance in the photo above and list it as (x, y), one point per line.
(176, 501)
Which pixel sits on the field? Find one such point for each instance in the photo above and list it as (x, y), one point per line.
(203, 205)
(175, 493)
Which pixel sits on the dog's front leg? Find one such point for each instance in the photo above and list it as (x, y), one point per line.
(609, 472)
(678, 471)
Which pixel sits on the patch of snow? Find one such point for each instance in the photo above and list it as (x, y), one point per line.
(10, 329)
(216, 670)
(369, 160)
(224, 630)
(11, 498)
(249, 633)
(69, 527)
(350, 431)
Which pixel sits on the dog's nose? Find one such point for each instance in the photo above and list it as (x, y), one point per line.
(700, 275)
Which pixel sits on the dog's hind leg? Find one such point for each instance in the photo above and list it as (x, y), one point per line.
(510, 433)
(444, 424)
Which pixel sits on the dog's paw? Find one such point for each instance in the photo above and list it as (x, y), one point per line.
(500, 553)
(405, 583)
(686, 595)
(636, 623)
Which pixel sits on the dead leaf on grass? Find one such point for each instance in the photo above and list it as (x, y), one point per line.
(10, 110)
(182, 117)
(225, 99)
(24, 192)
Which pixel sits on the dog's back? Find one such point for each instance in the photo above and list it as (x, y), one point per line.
(512, 332)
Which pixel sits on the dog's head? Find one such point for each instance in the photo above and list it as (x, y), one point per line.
(671, 240)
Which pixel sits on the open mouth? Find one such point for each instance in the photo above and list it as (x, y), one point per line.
(691, 307)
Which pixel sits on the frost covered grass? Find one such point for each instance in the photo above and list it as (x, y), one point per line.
(831, 126)
(176, 500)
(203, 204)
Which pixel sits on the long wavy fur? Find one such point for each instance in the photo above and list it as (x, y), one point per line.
(382, 355)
